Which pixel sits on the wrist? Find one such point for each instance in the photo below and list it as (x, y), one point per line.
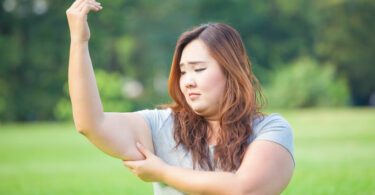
(164, 171)
(78, 41)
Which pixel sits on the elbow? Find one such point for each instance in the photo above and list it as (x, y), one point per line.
(84, 126)
(85, 123)
(82, 129)
(79, 127)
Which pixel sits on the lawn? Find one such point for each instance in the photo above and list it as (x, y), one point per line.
(334, 149)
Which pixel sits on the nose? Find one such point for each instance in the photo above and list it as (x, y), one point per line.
(190, 82)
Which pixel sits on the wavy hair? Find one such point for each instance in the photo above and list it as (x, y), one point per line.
(240, 105)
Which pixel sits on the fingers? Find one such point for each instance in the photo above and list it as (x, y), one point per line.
(143, 150)
(130, 168)
(77, 3)
(90, 2)
(130, 164)
(134, 173)
(84, 6)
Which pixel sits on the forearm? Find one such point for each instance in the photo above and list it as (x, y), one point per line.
(201, 182)
(84, 94)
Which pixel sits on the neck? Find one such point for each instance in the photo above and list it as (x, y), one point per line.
(213, 129)
(214, 125)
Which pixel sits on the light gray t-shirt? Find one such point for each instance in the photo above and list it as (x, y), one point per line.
(272, 128)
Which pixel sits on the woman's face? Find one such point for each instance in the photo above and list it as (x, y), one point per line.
(202, 81)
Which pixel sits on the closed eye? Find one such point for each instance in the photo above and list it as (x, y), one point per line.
(200, 69)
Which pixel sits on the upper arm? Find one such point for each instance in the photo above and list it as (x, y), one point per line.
(267, 168)
(118, 133)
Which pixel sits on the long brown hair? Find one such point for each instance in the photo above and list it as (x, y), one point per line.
(240, 104)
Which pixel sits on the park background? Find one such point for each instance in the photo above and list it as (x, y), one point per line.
(314, 60)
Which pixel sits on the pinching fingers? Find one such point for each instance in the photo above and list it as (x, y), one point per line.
(143, 150)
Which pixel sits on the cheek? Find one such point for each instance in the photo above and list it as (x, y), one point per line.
(215, 83)
(182, 89)
(219, 90)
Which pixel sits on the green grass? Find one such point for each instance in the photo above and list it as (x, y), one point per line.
(334, 149)
(52, 158)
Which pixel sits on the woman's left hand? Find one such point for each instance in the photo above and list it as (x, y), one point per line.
(151, 169)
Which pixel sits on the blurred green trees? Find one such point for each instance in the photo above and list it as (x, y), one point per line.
(305, 84)
(110, 86)
(136, 39)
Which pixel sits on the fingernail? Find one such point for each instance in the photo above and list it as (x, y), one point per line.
(139, 144)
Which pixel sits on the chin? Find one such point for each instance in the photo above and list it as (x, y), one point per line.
(198, 110)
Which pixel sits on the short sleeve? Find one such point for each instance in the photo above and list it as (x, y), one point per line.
(154, 118)
(276, 129)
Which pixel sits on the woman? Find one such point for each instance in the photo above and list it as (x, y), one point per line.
(211, 140)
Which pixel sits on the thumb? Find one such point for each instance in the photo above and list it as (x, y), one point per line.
(143, 150)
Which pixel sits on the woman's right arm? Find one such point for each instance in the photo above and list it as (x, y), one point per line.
(113, 133)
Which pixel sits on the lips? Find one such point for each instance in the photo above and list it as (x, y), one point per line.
(194, 95)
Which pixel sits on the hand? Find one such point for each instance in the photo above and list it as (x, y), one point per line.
(151, 169)
(77, 19)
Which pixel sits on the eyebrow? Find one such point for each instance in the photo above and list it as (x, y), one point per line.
(193, 63)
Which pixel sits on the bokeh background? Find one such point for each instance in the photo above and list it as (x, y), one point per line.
(314, 60)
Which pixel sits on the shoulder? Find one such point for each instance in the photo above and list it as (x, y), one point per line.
(155, 118)
(156, 113)
(267, 121)
(274, 128)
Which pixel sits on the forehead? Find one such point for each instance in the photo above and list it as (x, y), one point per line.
(195, 51)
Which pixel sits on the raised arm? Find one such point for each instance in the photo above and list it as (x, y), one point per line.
(87, 106)
(113, 133)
